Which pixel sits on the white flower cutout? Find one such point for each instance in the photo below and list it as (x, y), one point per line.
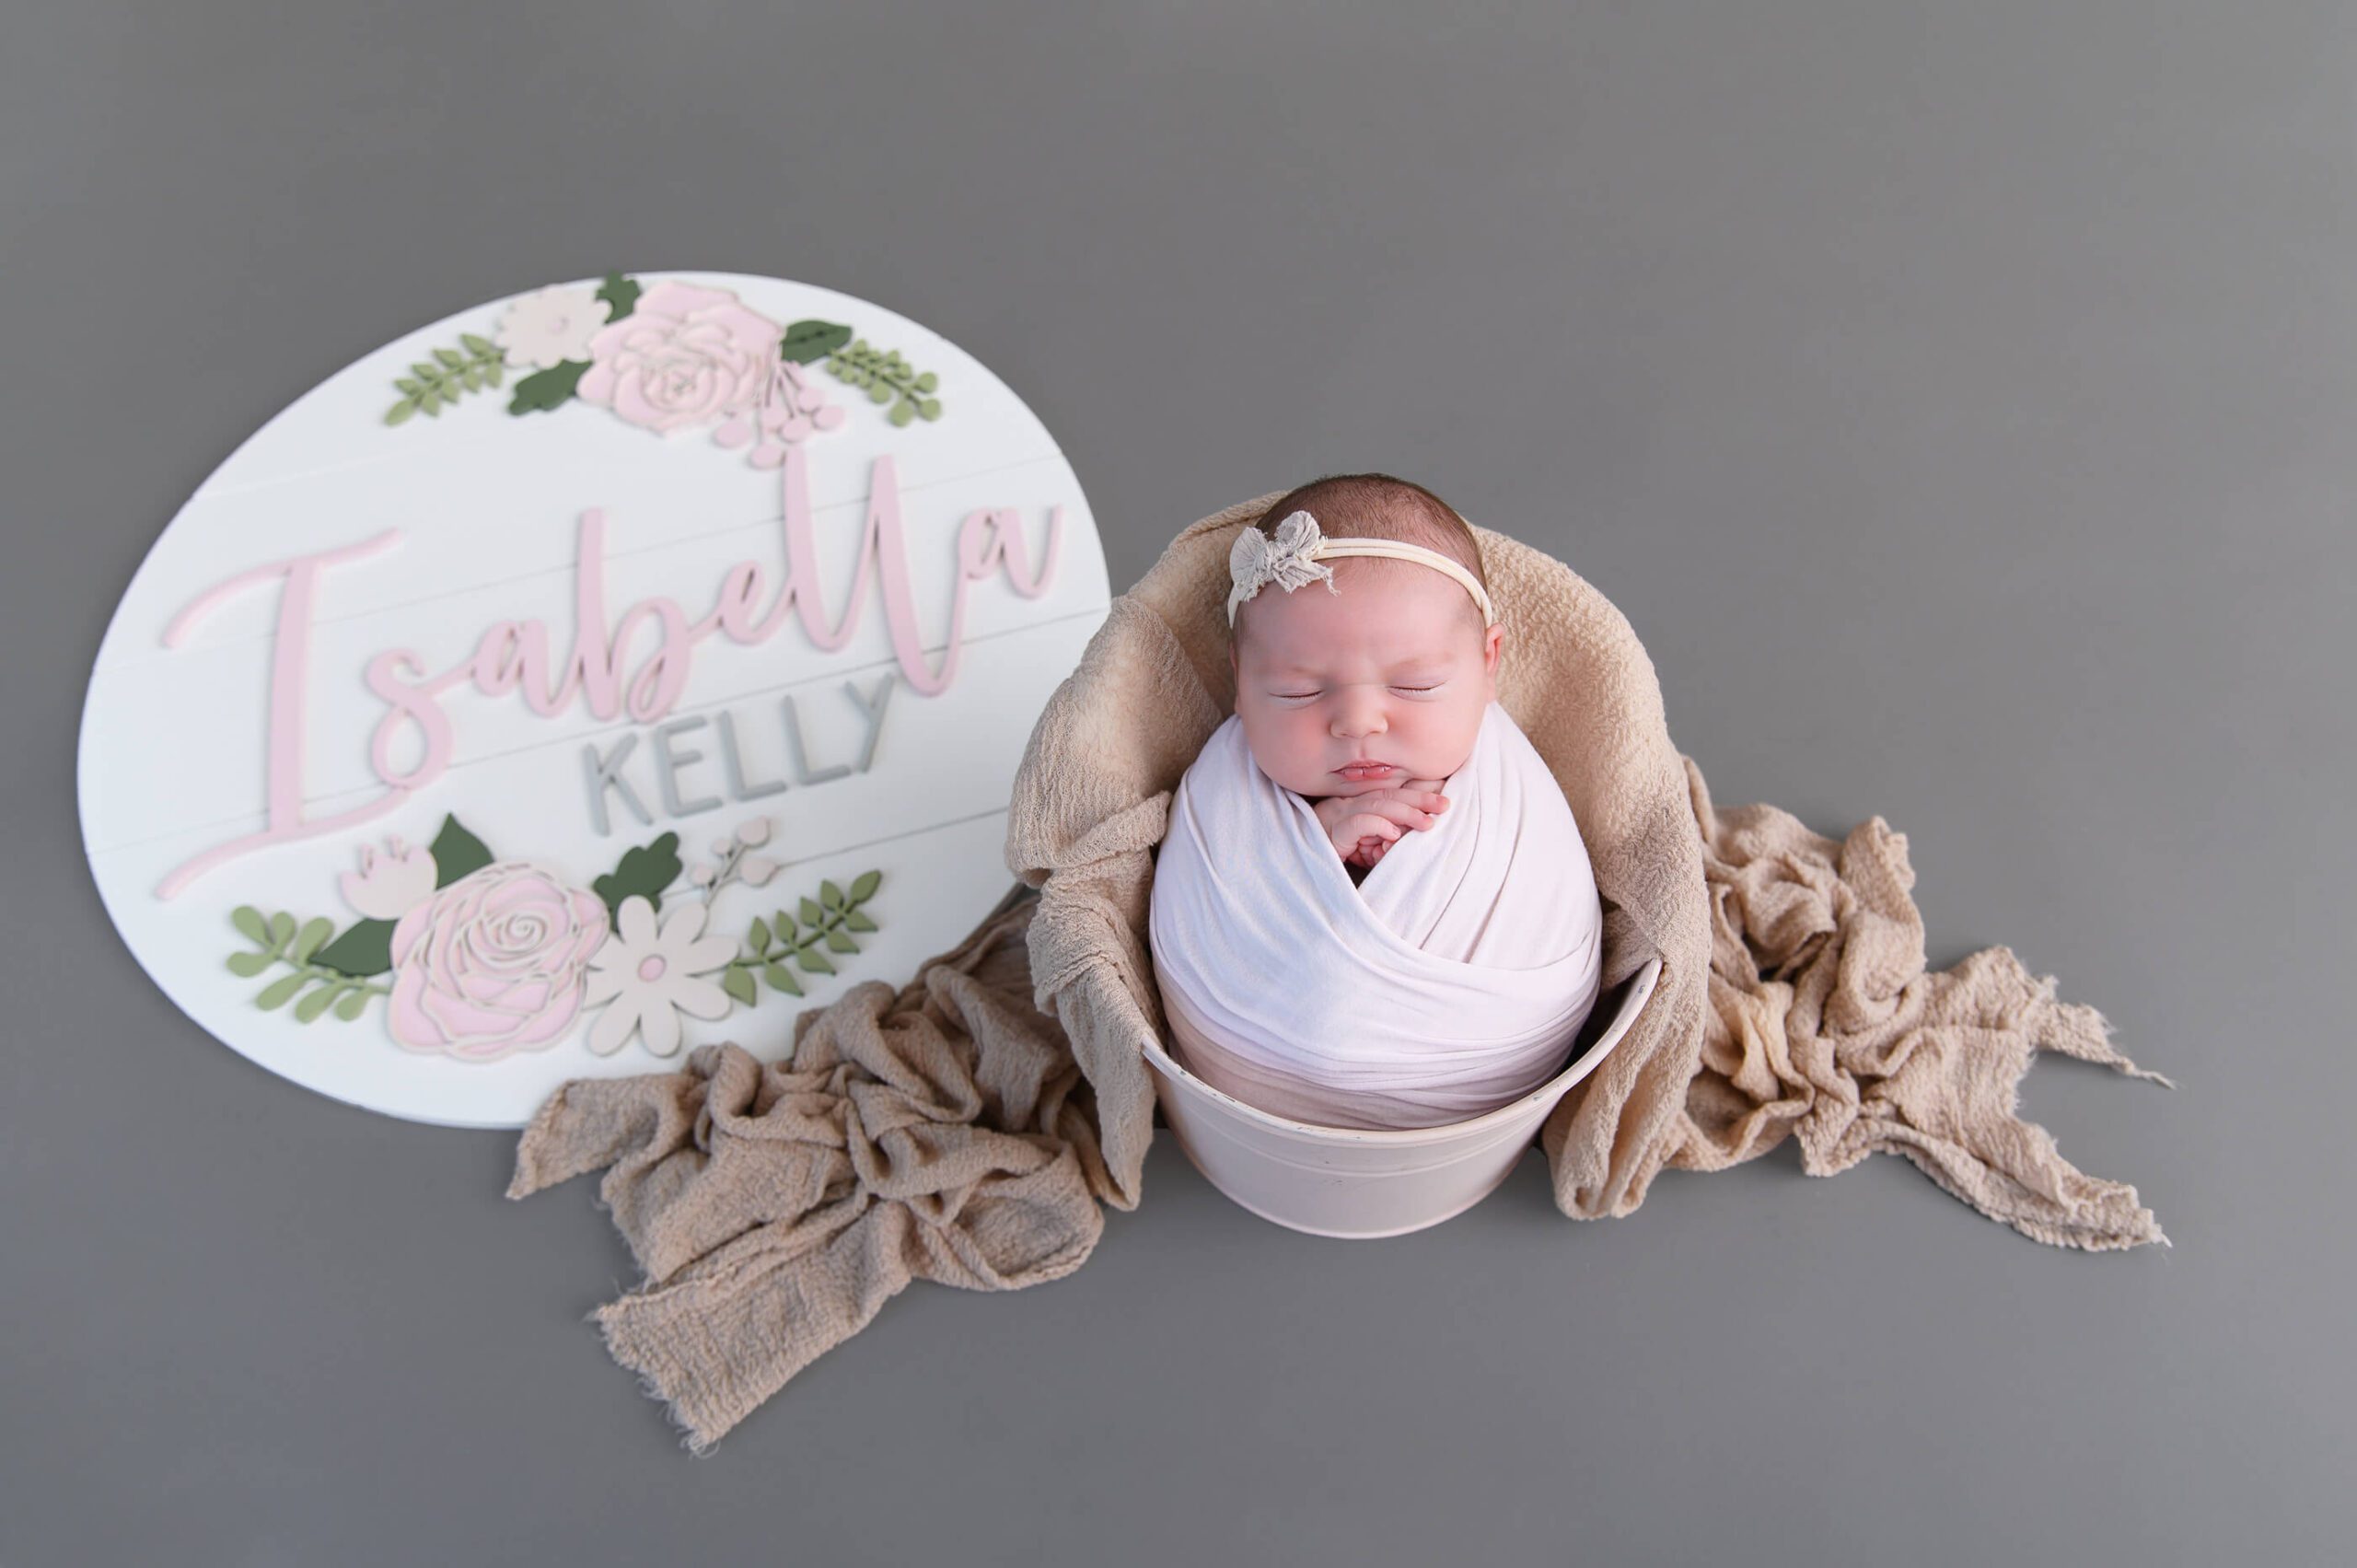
(649, 977)
(555, 324)
(390, 884)
(1287, 558)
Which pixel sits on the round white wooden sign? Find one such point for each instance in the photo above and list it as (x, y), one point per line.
(606, 670)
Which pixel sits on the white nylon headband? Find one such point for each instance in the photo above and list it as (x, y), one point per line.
(1290, 560)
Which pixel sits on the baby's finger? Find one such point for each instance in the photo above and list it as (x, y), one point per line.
(1401, 810)
(1363, 825)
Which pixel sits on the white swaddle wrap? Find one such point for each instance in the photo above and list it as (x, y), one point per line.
(1449, 983)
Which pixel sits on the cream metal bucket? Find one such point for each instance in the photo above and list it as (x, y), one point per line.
(1366, 1183)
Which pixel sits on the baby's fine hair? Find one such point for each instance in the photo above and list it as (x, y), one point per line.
(1377, 505)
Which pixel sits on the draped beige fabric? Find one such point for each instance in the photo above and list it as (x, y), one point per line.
(965, 1128)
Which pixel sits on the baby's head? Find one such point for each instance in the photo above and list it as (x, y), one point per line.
(1389, 660)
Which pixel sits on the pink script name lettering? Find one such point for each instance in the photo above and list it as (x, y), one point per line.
(513, 655)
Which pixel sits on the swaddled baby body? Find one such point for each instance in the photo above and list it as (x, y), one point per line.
(1371, 907)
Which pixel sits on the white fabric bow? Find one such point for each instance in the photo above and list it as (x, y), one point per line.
(1288, 558)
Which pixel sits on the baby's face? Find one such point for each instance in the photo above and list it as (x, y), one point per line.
(1392, 668)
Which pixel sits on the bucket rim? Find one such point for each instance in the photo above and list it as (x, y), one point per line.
(1640, 988)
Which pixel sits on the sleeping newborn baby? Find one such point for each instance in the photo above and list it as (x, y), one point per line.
(1372, 908)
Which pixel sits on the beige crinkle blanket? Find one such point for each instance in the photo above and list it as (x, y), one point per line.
(966, 1128)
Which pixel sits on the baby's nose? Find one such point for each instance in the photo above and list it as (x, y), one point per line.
(1358, 712)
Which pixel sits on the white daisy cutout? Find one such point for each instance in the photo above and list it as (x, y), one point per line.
(555, 324)
(649, 977)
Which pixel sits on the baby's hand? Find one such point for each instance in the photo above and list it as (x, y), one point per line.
(1362, 827)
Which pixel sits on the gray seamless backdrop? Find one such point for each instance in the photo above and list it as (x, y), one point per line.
(1959, 399)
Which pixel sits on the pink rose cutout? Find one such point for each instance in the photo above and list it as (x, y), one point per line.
(685, 356)
(493, 963)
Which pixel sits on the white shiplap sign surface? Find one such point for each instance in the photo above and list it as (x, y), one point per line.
(605, 670)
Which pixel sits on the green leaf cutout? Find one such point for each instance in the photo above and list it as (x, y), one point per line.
(854, 920)
(245, 966)
(863, 885)
(888, 379)
(279, 992)
(282, 929)
(739, 984)
(307, 940)
(366, 950)
(250, 924)
(782, 979)
(757, 936)
(309, 1009)
(812, 914)
(622, 293)
(354, 1002)
(550, 388)
(839, 943)
(813, 962)
(646, 871)
(830, 894)
(456, 852)
(813, 339)
(446, 376)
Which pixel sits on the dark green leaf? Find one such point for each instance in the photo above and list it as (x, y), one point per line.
(646, 871)
(544, 389)
(366, 950)
(456, 852)
(807, 341)
(622, 293)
